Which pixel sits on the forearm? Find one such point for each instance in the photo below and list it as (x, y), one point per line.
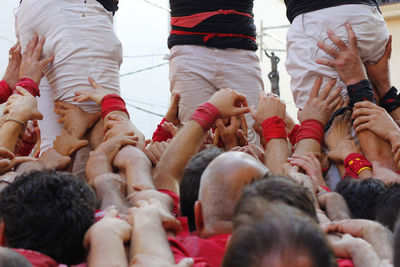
(149, 238)
(307, 145)
(106, 251)
(108, 188)
(364, 255)
(277, 153)
(9, 133)
(185, 144)
(137, 170)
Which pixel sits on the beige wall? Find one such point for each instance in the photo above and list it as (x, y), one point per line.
(391, 12)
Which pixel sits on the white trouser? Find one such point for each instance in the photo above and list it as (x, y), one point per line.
(309, 28)
(197, 72)
(80, 34)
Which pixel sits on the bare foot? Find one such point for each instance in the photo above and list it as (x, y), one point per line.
(66, 144)
(54, 160)
(340, 128)
(75, 120)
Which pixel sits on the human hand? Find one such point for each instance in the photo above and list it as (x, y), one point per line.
(22, 107)
(75, 120)
(252, 150)
(32, 132)
(109, 226)
(312, 166)
(229, 103)
(147, 194)
(96, 94)
(368, 116)
(153, 211)
(173, 111)
(51, 159)
(170, 128)
(334, 205)
(116, 125)
(345, 147)
(347, 60)
(100, 159)
(268, 106)
(31, 65)
(228, 133)
(320, 106)
(302, 179)
(155, 150)
(379, 73)
(372, 232)
(12, 72)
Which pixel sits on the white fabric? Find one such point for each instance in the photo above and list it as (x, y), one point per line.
(197, 72)
(309, 28)
(80, 34)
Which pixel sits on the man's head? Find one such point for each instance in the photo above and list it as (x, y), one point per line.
(388, 207)
(220, 188)
(285, 237)
(361, 196)
(257, 197)
(48, 212)
(190, 184)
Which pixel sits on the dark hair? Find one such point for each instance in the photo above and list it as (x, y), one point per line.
(9, 258)
(284, 233)
(361, 196)
(388, 207)
(48, 212)
(256, 196)
(396, 239)
(190, 184)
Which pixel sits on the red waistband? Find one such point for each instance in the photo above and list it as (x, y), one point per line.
(195, 19)
(210, 35)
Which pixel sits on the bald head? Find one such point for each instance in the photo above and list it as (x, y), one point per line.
(222, 183)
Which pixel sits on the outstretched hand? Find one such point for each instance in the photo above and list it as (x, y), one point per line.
(31, 65)
(229, 103)
(96, 94)
(14, 62)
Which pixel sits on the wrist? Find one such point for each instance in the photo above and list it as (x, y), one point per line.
(355, 80)
(206, 115)
(394, 138)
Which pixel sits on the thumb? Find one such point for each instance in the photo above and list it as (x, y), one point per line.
(22, 91)
(37, 115)
(187, 262)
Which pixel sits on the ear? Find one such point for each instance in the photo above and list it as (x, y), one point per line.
(198, 216)
(2, 236)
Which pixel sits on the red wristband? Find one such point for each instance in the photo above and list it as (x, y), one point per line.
(206, 115)
(29, 85)
(5, 91)
(293, 134)
(311, 129)
(356, 163)
(326, 188)
(160, 134)
(273, 128)
(112, 102)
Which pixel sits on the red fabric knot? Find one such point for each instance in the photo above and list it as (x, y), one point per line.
(160, 134)
(206, 115)
(273, 128)
(29, 85)
(355, 163)
(26, 148)
(311, 129)
(293, 134)
(5, 91)
(112, 102)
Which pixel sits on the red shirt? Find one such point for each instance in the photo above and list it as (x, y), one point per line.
(205, 252)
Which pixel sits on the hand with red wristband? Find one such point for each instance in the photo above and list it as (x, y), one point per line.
(31, 65)
(270, 114)
(345, 147)
(311, 164)
(223, 104)
(12, 72)
(355, 163)
(22, 107)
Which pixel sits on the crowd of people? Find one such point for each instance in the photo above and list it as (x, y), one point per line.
(227, 179)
